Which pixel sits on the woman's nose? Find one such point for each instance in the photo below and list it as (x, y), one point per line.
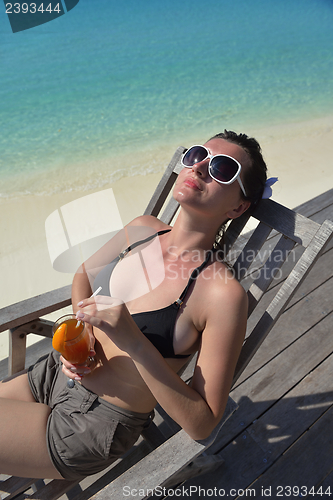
(201, 168)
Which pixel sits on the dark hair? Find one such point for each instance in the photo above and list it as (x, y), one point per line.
(255, 177)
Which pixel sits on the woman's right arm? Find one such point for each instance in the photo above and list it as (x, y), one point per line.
(82, 284)
(81, 288)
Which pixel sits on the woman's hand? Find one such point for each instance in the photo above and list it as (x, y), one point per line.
(77, 372)
(111, 316)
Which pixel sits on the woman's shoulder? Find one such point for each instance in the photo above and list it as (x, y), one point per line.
(220, 283)
(224, 304)
(149, 221)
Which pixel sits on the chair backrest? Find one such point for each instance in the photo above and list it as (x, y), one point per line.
(277, 254)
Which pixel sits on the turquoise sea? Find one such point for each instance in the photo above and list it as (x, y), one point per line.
(103, 91)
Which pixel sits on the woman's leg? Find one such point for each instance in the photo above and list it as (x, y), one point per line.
(17, 387)
(23, 449)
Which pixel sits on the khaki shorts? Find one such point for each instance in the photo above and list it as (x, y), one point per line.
(84, 434)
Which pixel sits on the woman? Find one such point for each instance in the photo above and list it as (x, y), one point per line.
(145, 332)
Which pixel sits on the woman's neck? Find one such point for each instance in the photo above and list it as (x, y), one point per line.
(188, 234)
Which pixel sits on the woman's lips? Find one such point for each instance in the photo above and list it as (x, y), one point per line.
(193, 183)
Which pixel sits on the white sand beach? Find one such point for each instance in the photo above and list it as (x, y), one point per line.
(298, 154)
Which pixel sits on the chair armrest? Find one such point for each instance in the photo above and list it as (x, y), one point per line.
(23, 318)
(157, 468)
(29, 310)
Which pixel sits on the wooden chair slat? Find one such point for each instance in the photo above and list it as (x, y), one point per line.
(302, 268)
(13, 486)
(251, 250)
(286, 221)
(268, 272)
(314, 207)
(170, 211)
(233, 232)
(165, 185)
(50, 491)
(283, 296)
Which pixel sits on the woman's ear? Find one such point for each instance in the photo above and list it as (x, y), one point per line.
(237, 212)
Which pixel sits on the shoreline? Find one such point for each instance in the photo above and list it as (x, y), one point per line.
(75, 175)
(299, 154)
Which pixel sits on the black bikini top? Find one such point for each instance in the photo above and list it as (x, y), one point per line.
(158, 325)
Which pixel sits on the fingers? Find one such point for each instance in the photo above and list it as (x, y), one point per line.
(97, 311)
(100, 302)
(75, 372)
(90, 320)
(106, 313)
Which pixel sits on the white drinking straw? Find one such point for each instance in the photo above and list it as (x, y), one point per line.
(96, 292)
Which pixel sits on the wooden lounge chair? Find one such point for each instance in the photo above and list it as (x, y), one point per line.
(283, 248)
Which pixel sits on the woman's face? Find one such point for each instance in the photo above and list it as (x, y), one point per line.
(195, 187)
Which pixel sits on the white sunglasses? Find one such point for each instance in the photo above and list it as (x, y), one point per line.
(222, 168)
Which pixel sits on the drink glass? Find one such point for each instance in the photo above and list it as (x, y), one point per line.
(75, 345)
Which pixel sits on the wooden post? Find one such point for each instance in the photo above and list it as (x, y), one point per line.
(17, 342)
(17, 348)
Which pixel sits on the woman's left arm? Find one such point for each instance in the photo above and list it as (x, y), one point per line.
(199, 407)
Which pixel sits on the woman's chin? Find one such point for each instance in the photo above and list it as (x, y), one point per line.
(185, 193)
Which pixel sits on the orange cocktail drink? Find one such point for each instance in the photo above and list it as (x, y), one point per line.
(71, 339)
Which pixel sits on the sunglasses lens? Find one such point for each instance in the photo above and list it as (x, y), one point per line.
(194, 155)
(223, 168)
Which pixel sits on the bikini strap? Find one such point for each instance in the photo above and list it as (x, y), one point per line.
(138, 243)
(195, 273)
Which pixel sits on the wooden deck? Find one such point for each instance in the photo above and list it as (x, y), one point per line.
(282, 434)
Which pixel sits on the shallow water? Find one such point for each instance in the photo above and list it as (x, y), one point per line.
(111, 88)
